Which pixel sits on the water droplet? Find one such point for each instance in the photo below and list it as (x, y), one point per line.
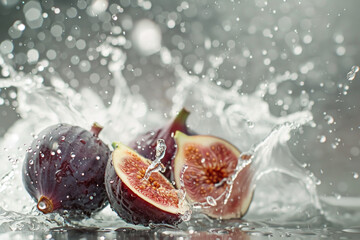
(338, 38)
(147, 37)
(340, 51)
(32, 56)
(352, 74)
(58, 176)
(72, 155)
(48, 236)
(42, 205)
(355, 175)
(91, 197)
(156, 165)
(6, 47)
(211, 201)
(297, 50)
(322, 138)
(352, 230)
(19, 25)
(318, 182)
(31, 162)
(97, 158)
(329, 119)
(250, 124)
(186, 216)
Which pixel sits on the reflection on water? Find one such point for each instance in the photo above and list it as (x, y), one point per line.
(242, 231)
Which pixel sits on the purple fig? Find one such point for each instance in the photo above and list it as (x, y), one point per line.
(145, 144)
(64, 170)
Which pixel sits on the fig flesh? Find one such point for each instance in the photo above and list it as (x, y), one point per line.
(136, 199)
(64, 170)
(145, 144)
(210, 163)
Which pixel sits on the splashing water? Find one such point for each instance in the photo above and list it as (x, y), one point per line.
(352, 74)
(156, 164)
(62, 108)
(285, 192)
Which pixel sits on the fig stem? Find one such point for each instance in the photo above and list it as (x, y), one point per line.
(45, 205)
(182, 116)
(96, 129)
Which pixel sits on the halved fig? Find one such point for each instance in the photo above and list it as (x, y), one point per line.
(210, 162)
(145, 144)
(136, 199)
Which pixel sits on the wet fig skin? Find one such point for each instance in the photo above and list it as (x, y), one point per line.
(64, 170)
(145, 144)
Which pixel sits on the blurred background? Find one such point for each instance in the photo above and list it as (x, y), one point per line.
(315, 43)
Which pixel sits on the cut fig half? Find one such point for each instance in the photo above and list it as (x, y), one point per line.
(210, 163)
(136, 199)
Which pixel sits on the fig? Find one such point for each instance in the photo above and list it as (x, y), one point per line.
(145, 144)
(137, 199)
(64, 170)
(205, 167)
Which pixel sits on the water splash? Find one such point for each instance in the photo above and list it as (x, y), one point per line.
(156, 164)
(352, 74)
(227, 105)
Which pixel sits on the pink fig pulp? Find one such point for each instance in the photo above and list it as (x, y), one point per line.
(210, 162)
(136, 199)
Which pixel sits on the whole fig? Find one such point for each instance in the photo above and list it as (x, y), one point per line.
(64, 170)
(145, 144)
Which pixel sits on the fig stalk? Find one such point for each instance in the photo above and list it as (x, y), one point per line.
(96, 129)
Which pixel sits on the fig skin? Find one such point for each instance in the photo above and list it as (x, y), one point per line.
(210, 160)
(129, 204)
(145, 144)
(64, 170)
